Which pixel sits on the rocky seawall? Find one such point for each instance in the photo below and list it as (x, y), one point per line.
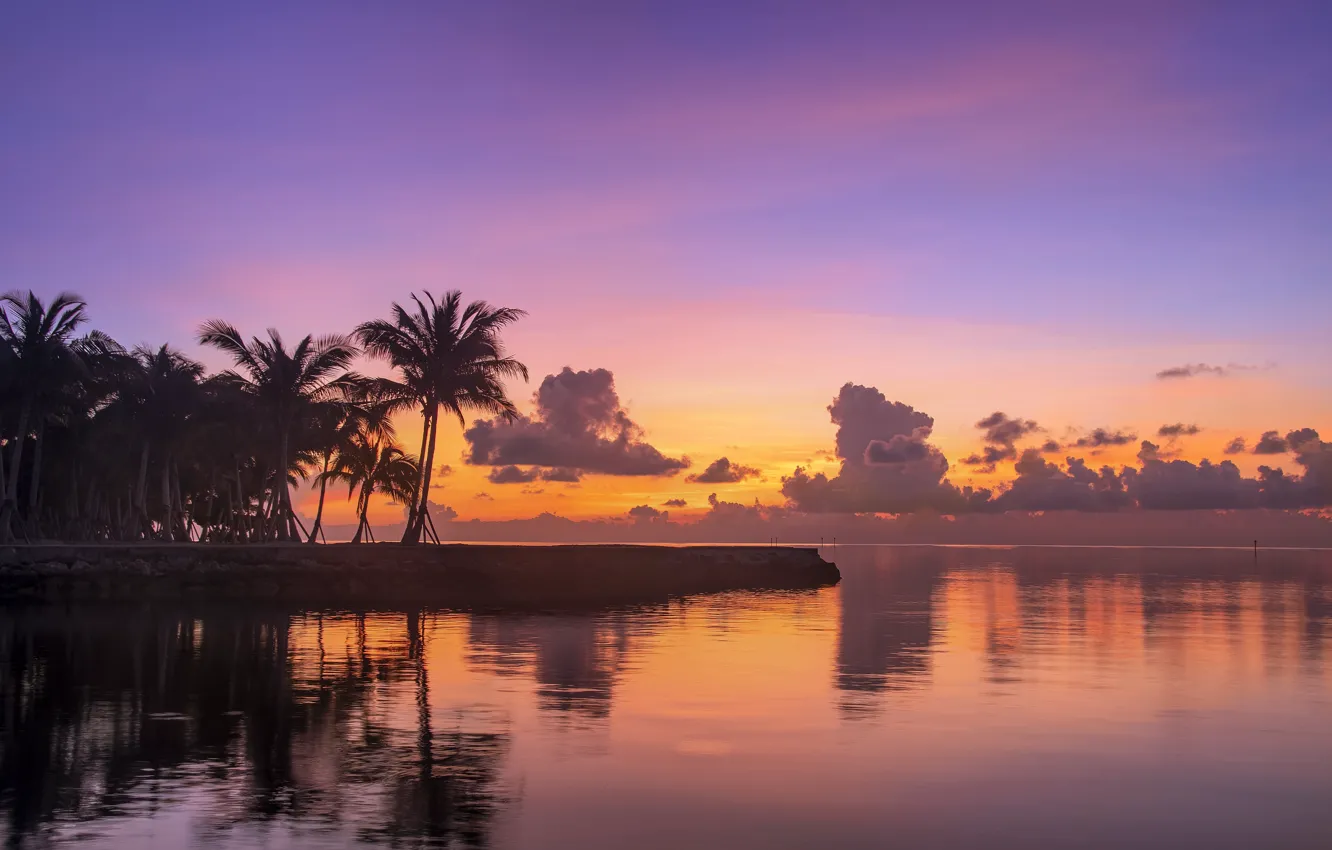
(391, 575)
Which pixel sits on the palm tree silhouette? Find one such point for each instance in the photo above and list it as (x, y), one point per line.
(98, 443)
(452, 358)
(366, 406)
(41, 359)
(372, 464)
(163, 397)
(283, 385)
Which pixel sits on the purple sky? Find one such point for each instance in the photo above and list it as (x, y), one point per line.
(1109, 190)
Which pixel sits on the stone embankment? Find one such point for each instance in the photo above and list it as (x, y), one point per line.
(390, 575)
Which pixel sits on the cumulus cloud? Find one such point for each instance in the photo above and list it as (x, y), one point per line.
(1001, 435)
(647, 513)
(1179, 429)
(1050, 447)
(1271, 443)
(1101, 437)
(579, 425)
(1043, 486)
(1181, 485)
(889, 466)
(902, 473)
(675, 503)
(900, 449)
(484, 497)
(561, 474)
(1311, 490)
(1298, 439)
(1236, 446)
(722, 471)
(512, 475)
(440, 513)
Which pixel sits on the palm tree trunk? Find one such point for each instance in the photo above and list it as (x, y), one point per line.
(3, 480)
(427, 469)
(238, 519)
(11, 492)
(363, 511)
(183, 520)
(417, 501)
(35, 478)
(206, 524)
(412, 534)
(282, 506)
(141, 492)
(319, 514)
(167, 524)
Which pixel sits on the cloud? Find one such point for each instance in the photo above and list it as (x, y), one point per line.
(1100, 438)
(900, 449)
(1043, 486)
(647, 513)
(579, 426)
(1181, 485)
(1001, 435)
(1311, 490)
(1179, 429)
(512, 475)
(675, 503)
(440, 513)
(441, 472)
(561, 474)
(1297, 440)
(484, 497)
(1271, 443)
(722, 471)
(1050, 447)
(1193, 370)
(1236, 446)
(902, 474)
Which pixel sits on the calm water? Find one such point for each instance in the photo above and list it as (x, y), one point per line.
(937, 698)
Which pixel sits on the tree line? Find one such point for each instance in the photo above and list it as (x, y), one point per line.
(103, 443)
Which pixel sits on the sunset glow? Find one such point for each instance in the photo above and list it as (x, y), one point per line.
(1030, 212)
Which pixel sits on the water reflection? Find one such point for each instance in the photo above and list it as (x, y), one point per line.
(885, 627)
(574, 659)
(1142, 697)
(112, 714)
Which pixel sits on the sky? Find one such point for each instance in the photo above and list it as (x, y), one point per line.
(733, 209)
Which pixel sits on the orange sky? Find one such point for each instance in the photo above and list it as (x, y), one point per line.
(725, 389)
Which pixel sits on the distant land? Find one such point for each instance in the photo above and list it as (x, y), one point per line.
(735, 523)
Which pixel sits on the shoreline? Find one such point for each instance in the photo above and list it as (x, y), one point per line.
(392, 574)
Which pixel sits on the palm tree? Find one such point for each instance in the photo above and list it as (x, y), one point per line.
(373, 465)
(451, 358)
(365, 406)
(75, 412)
(40, 360)
(163, 397)
(284, 384)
